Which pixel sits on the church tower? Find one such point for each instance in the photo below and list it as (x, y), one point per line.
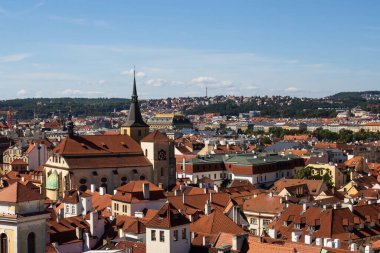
(135, 125)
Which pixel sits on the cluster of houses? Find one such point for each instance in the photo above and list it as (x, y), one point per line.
(139, 191)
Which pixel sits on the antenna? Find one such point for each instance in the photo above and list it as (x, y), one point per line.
(206, 91)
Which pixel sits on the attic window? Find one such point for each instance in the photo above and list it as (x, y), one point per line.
(124, 144)
(115, 172)
(134, 171)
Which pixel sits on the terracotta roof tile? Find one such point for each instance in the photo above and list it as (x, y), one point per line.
(17, 192)
(168, 216)
(155, 136)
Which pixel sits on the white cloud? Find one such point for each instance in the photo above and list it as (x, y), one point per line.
(157, 82)
(130, 73)
(14, 57)
(21, 93)
(208, 81)
(78, 93)
(80, 21)
(203, 80)
(292, 88)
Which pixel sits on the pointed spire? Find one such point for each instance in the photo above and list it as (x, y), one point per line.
(134, 92)
(134, 115)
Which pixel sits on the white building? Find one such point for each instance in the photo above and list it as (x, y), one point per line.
(168, 232)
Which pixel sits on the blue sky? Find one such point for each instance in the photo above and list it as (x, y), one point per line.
(87, 48)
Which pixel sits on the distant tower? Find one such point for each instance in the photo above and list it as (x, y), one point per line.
(135, 125)
(10, 118)
(206, 91)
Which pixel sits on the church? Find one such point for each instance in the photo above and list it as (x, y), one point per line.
(109, 161)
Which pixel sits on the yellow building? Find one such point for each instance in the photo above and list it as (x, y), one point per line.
(169, 121)
(337, 177)
(23, 219)
(137, 196)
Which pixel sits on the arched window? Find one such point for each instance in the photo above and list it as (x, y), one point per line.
(123, 180)
(142, 177)
(3, 243)
(31, 243)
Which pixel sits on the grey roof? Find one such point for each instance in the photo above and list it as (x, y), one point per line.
(134, 116)
(282, 145)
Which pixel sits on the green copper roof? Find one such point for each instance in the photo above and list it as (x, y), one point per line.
(52, 181)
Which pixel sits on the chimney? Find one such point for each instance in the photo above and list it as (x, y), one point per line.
(308, 239)
(237, 242)
(207, 207)
(114, 192)
(146, 190)
(102, 191)
(353, 247)
(368, 249)
(93, 188)
(183, 198)
(206, 240)
(93, 220)
(210, 197)
(216, 188)
(337, 243)
(78, 233)
(139, 214)
(304, 207)
(22, 179)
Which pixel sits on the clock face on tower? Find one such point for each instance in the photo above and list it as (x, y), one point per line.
(161, 155)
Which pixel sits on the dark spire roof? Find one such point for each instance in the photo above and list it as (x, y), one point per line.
(134, 116)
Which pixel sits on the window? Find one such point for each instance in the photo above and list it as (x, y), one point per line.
(253, 221)
(266, 222)
(31, 243)
(253, 231)
(214, 176)
(146, 152)
(162, 236)
(3, 243)
(67, 208)
(175, 235)
(116, 206)
(184, 235)
(125, 208)
(153, 235)
(73, 209)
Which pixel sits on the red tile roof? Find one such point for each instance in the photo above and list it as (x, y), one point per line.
(155, 136)
(98, 145)
(264, 203)
(215, 223)
(133, 192)
(167, 217)
(17, 192)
